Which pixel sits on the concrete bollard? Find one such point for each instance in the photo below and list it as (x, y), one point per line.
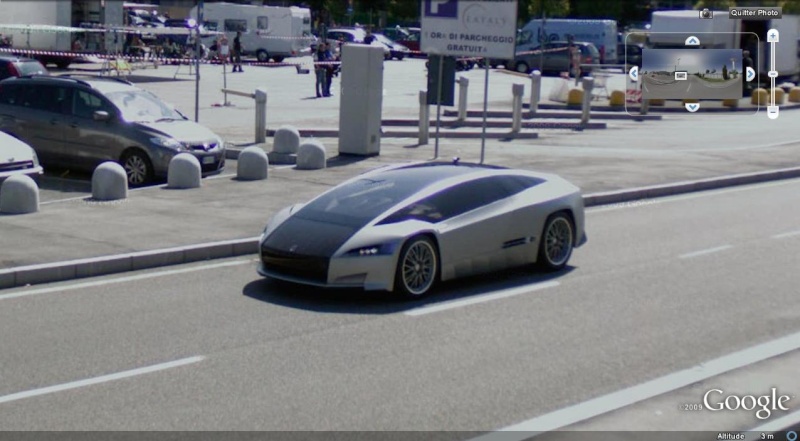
(574, 98)
(794, 95)
(252, 165)
(586, 110)
(536, 91)
(517, 90)
(424, 118)
(19, 195)
(616, 99)
(109, 182)
(311, 156)
(184, 171)
(261, 114)
(780, 96)
(463, 89)
(759, 97)
(286, 140)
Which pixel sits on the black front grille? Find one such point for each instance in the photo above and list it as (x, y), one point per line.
(310, 268)
(18, 165)
(204, 147)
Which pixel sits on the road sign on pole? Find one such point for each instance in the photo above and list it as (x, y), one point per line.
(470, 28)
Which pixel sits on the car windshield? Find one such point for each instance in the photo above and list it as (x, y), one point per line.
(30, 68)
(358, 202)
(142, 106)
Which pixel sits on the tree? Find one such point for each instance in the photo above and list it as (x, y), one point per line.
(530, 9)
(715, 5)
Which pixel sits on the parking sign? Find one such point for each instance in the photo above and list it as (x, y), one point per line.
(469, 28)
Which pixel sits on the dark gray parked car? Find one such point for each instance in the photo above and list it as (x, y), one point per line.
(14, 66)
(82, 122)
(555, 58)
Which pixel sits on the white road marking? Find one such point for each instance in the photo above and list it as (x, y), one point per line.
(788, 234)
(687, 196)
(779, 423)
(123, 279)
(706, 251)
(98, 380)
(510, 292)
(229, 175)
(625, 397)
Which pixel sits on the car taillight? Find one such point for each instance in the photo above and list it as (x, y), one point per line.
(13, 70)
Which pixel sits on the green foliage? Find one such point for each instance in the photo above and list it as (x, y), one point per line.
(715, 5)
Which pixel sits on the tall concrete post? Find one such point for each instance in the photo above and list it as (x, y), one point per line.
(261, 115)
(463, 89)
(536, 91)
(517, 90)
(424, 118)
(361, 100)
(588, 85)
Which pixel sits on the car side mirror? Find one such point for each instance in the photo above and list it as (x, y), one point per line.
(101, 115)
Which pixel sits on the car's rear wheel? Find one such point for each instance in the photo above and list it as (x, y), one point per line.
(138, 167)
(417, 267)
(522, 67)
(277, 59)
(558, 238)
(262, 56)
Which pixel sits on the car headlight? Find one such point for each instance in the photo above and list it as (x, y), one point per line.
(167, 142)
(373, 250)
(35, 159)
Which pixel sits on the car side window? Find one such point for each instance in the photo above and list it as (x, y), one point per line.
(48, 98)
(86, 103)
(9, 94)
(5, 70)
(454, 201)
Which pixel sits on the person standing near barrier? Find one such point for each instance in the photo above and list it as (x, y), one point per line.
(224, 49)
(237, 52)
(319, 70)
(575, 59)
(330, 69)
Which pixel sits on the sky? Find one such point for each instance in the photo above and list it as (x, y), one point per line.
(691, 60)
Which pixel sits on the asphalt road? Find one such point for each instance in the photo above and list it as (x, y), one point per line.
(668, 88)
(660, 287)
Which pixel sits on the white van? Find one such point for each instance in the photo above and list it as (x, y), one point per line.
(268, 32)
(601, 33)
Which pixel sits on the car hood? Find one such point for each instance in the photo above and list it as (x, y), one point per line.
(11, 147)
(181, 130)
(308, 237)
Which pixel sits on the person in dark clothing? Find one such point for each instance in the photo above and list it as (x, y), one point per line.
(330, 69)
(320, 71)
(369, 38)
(237, 52)
(747, 61)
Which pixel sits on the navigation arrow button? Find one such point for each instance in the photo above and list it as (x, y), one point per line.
(634, 73)
(751, 74)
(692, 41)
(692, 107)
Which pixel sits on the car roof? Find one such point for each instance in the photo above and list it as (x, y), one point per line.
(16, 59)
(102, 84)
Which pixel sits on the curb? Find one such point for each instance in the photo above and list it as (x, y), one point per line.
(119, 263)
(564, 113)
(105, 265)
(334, 133)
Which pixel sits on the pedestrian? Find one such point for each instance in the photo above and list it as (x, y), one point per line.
(224, 49)
(747, 61)
(319, 70)
(237, 52)
(369, 38)
(330, 69)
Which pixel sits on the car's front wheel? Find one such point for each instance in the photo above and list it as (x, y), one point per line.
(522, 67)
(417, 267)
(138, 167)
(558, 238)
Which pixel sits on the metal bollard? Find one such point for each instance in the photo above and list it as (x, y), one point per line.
(536, 91)
(644, 107)
(424, 118)
(463, 88)
(517, 90)
(588, 85)
(261, 115)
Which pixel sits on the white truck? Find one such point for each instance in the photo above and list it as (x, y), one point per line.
(670, 29)
(268, 32)
(601, 33)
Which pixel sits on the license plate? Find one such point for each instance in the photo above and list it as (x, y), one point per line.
(208, 160)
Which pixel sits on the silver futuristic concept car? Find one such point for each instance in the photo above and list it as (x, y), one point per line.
(404, 227)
